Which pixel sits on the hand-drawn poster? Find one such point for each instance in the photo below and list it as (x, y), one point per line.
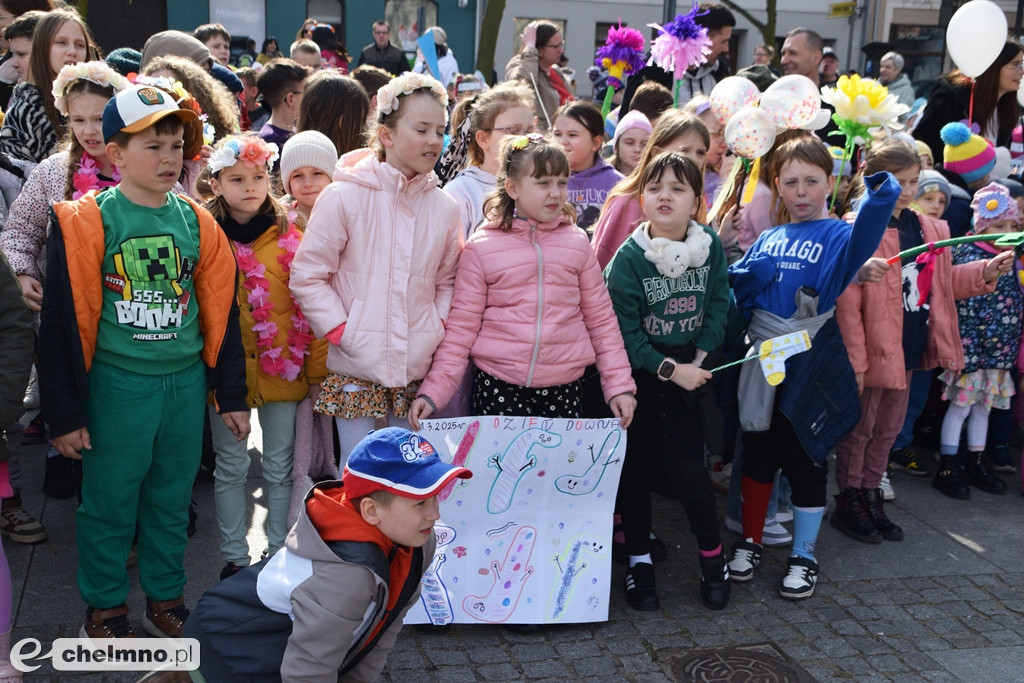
(527, 540)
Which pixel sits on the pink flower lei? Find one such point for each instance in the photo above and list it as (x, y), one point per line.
(87, 177)
(278, 361)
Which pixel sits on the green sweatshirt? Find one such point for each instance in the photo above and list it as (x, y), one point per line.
(660, 315)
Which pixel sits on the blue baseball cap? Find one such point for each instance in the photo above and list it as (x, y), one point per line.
(400, 462)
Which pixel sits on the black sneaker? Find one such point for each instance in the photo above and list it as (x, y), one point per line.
(714, 581)
(230, 569)
(1001, 459)
(905, 460)
(641, 593)
(800, 579)
(743, 560)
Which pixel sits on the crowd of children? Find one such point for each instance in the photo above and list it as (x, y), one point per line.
(184, 267)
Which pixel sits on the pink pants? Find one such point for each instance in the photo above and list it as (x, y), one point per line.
(861, 458)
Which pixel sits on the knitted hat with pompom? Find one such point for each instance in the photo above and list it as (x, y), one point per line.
(970, 156)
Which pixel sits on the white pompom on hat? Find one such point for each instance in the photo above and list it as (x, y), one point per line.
(308, 148)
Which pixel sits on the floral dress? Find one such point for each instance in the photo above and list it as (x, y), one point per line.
(990, 329)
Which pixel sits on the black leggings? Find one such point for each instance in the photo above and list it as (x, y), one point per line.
(665, 450)
(765, 452)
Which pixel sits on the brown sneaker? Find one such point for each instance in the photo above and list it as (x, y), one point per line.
(107, 623)
(165, 619)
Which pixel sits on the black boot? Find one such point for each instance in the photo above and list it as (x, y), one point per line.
(715, 586)
(980, 474)
(876, 511)
(950, 478)
(851, 517)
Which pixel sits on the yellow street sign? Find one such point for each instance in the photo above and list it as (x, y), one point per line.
(841, 10)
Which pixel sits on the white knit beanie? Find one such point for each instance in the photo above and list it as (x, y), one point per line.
(308, 148)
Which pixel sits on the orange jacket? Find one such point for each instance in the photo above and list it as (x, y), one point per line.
(74, 259)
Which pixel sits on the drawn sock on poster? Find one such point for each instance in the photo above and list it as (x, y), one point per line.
(581, 485)
(460, 458)
(571, 564)
(434, 594)
(509, 580)
(514, 464)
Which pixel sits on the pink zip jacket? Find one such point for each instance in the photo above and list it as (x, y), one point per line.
(379, 254)
(870, 315)
(530, 308)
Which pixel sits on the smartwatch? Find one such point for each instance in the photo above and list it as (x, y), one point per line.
(665, 370)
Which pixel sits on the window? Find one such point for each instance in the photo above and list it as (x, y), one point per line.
(519, 23)
(408, 19)
(328, 12)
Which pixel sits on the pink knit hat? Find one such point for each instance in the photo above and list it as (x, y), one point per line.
(992, 204)
(632, 119)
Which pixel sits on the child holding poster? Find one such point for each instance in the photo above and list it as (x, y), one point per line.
(670, 291)
(528, 286)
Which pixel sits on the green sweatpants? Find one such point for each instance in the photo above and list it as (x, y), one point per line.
(147, 435)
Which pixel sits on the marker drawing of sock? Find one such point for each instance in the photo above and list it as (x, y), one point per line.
(582, 484)
(509, 579)
(514, 464)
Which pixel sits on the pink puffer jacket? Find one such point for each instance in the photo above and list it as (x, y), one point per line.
(379, 254)
(531, 309)
(871, 315)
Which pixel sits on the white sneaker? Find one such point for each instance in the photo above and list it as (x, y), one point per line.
(800, 579)
(886, 486)
(784, 515)
(773, 534)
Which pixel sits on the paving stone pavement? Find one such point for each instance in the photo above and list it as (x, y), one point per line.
(946, 604)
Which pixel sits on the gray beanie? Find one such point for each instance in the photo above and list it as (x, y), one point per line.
(308, 148)
(177, 44)
(932, 181)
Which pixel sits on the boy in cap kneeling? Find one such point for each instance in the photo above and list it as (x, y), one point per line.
(330, 603)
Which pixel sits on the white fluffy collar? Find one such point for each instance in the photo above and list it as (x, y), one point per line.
(673, 257)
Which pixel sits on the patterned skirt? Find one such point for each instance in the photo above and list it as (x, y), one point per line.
(992, 388)
(350, 397)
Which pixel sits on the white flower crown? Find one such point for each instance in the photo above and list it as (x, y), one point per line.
(407, 84)
(96, 72)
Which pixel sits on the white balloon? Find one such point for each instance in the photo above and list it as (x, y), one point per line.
(975, 36)
(1002, 167)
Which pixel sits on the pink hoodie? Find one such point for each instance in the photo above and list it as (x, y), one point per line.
(531, 309)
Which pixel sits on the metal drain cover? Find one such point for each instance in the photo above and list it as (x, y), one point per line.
(761, 662)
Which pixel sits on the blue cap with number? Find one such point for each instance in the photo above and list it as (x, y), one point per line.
(398, 461)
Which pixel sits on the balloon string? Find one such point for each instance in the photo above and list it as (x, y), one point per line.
(970, 110)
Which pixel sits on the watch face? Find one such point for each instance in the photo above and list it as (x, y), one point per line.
(666, 369)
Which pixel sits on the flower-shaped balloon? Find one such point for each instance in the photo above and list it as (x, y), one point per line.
(681, 44)
(622, 53)
(863, 103)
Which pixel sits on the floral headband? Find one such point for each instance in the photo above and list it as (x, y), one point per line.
(96, 72)
(251, 150)
(407, 84)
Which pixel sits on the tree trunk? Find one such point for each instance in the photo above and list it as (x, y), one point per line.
(489, 38)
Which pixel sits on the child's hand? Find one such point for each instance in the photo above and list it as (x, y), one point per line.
(689, 376)
(998, 265)
(32, 290)
(622, 407)
(420, 410)
(72, 444)
(237, 423)
(728, 228)
(873, 270)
